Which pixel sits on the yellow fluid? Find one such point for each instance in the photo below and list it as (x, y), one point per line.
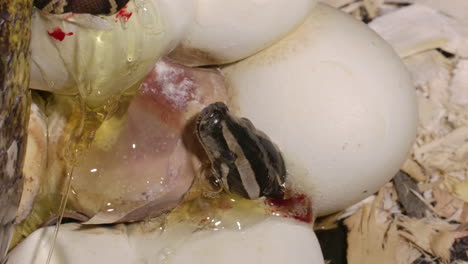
(82, 137)
(80, 123)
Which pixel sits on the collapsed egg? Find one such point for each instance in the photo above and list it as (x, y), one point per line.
(338, 102)
(99, 57)
(139, 164)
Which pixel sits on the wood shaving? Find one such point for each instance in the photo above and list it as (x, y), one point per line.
(417, 28)
(432, 235)
(373, 7)
(408, 195)
(414, 170)
(446, 154)
(454, 8)
(449, 206)
(374, 237)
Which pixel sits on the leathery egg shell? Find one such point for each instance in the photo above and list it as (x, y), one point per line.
(226, 31)
(338, 102)
(70, 53)
(275, 241)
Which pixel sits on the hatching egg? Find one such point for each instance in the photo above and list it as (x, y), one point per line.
(338, 102)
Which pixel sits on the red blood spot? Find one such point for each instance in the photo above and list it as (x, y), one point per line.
(304, 218)
(297, 207)
(58, 34)
(286, 202)
(123, 14)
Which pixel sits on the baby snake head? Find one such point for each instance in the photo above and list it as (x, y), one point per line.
(242, 158)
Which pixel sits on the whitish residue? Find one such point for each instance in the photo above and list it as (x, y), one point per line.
(173, 83)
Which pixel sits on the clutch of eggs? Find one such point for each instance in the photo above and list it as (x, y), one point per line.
(331, 94)
(324, 87)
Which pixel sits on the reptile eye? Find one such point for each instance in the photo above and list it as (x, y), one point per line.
(214, 119)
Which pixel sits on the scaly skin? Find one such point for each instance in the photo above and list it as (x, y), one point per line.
(95, 7)
(15, 33)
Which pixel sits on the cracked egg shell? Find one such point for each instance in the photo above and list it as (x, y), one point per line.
(337, 100)
(275, 241)
(227, 31)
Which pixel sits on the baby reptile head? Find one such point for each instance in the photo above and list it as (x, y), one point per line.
(243, 158)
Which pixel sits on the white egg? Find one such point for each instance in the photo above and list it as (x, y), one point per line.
(274, 241)
(102, 56)
(337, 100)
(226, 31)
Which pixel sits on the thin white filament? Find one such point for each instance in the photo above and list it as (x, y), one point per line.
(63, 205)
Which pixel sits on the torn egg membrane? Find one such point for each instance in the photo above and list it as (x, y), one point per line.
(35, 165)
(35, 162)
(99, 57)
(139, 163)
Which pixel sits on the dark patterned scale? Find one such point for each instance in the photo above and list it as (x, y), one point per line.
(94, 7)
(243, 158)
(15, 33)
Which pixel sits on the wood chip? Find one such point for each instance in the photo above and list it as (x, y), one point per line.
(373, 236)
(460, 190)
(406, 189)
(414, 170)
(454, 8)
(431, 73)
(372, 7)
(448, 206)
(447, 154)
(417, 28)
(433, 235)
